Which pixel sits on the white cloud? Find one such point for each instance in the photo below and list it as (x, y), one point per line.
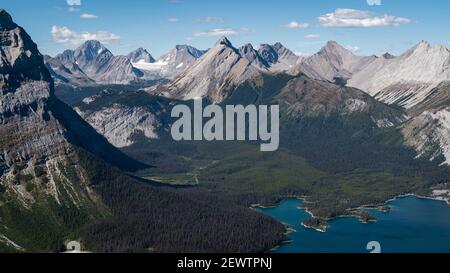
(352, 48)
(211, 19)
(64, 35)
(312, 36)
(88, 16)
(73, 9)
(73, 2)
(374, 2)
(295, 24)
(359, 18)
(173, 20)
(221, 32)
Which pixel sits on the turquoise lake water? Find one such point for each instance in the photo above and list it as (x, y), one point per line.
(413, 225)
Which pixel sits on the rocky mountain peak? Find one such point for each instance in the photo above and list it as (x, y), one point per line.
(278, 46)
(335, 48)
(247, 48)
(425, 47)
(268, 53)
(141, 54)
(194, 52)
(20, 60)
(224, 41)
(91, 49)
(93, 44)
(247, 51)
(278, 57)
(387, 56)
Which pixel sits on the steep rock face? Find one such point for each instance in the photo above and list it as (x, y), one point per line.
(101, 65)
(334, 62)
(247, 51)
(221, 68)
(121, 122)
(40, 136)
(408, 79)
(93, 63)
(68, 72)
(141, 55)
(429, 135)
(428, 131)
(278, 57)
(37, 161)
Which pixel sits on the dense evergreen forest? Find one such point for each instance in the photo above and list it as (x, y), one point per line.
(153, 219)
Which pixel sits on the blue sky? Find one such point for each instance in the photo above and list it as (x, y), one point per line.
(366, 26)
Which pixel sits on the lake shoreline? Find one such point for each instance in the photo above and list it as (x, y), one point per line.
(366, 206)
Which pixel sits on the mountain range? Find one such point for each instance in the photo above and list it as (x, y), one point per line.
(415, 81)
(60, 180)
(103, 168)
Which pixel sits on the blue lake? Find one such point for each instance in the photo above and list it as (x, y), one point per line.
(413, 225)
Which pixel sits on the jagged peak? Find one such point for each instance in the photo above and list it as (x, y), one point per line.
(278, 46)
(141, 54)
(333, 45)
(424, 47)
(424, 43)
(20, 54)
(247, 47)
(194, 52)
(388, 56)
(94, 45)
(224, 41)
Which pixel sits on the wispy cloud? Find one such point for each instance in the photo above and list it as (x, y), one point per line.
(173, 20)
(352, 48)
(210, 19)
(312, 36)
(220, 32)
(88, 16)
(374, 2)
(74, 9)
(64, 35)
(73, 2)
(296, 25)
(359, 18)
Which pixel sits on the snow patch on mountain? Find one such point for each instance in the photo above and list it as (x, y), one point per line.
(156, 66)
